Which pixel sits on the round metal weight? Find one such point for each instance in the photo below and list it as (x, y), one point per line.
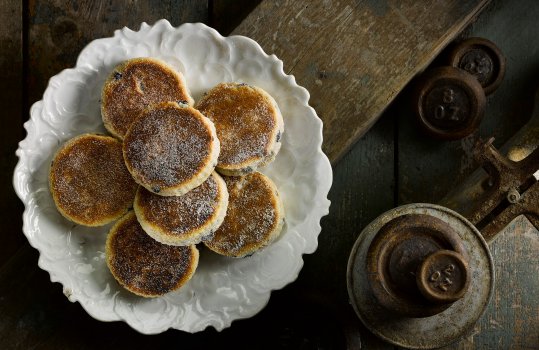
(443, 276)
(449, 103)
(426, 332)
(481, 58)
(397, 254)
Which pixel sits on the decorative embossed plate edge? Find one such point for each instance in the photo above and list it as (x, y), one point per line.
(222, 289)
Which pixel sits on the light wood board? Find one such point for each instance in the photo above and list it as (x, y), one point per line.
(354, 57)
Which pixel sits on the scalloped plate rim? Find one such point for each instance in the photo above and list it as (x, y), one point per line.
(321, 209)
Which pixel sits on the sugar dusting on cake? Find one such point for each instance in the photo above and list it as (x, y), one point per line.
(245, 120)
(167, 146)
(180, 215)
(144, 265)
(89, 179)
(251, 216)
(133, 86)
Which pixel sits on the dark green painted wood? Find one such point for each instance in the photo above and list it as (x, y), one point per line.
(363, 188)
(511, 320)
(225, 15)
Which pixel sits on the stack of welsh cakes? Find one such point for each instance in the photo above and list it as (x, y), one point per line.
(172, 174)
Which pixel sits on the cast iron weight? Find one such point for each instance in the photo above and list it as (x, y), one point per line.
(417, 265)
(408, 281)
(420, 275)
(449, 103)
(443, 277)
(482, 59)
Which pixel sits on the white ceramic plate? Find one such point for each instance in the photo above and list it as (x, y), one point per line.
(222, 289)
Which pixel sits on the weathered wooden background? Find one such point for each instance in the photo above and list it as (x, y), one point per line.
(391, 165)
(355, 57)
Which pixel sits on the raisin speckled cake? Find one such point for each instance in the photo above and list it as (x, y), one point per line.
(249, 126)
(89, 181)
(254, 218)
(186, 219)
(134, 85)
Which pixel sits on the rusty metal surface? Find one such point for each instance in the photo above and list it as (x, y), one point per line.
(481, 58)
(443, 277)
(396, 254)
(511, 190)
(449, 103)
(468, 198)
(427, 332)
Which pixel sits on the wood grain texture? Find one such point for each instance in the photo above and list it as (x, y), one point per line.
(363, 188)
(29, 302)
(511, 320)
(11, 99)
(354, 57)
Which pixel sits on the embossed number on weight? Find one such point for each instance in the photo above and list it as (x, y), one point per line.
(478, 65)
(447, 112)
(449, 96)
(441, 279)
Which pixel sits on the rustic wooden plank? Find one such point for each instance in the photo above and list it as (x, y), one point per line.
(29, 306)
(511, 320)
(11, 69)
(354, 57)
(357, 197)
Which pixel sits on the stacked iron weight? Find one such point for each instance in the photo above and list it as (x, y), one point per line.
(449, 101)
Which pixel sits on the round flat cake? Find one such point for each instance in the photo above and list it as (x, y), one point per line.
(254, 218)
(89, 182)
(186, 219)
(144, 266)
(171, 149)
(249, 126)
(134, 85)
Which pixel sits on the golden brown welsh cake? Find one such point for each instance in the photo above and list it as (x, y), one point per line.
(171, 149)
(249, 126)
(135, 84)
(254, 218)
(186, 219)
(144, 266)
(89, 182)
